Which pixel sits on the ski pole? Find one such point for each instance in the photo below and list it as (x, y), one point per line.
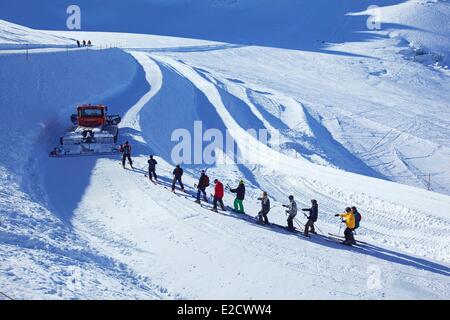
(6, 296)
(314, 224)
(298, 224)
(340, 226)
(318, 229)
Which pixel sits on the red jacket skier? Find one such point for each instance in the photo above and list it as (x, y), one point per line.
(218, 195)
(218, 189)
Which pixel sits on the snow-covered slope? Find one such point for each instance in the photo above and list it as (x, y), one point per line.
(351, 115)
(282, 23)
(13, 36)
(393, 107)
(39, 248)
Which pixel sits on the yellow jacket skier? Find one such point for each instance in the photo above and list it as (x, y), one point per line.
(349, 218)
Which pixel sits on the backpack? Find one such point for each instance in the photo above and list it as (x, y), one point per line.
(358, 218)
(206, 181)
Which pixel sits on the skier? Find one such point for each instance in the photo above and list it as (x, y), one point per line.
(152, 168)
(265, 208)
(78, 43)
(292, 211)
(126, 154)
(357, 217)
(240, 196)
(218, 195)
(313, 214)
(84, 43)
(203, 183)
(89, 43)
(177, 174)
(349, 219)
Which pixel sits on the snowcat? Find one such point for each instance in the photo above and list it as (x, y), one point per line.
(93, 133)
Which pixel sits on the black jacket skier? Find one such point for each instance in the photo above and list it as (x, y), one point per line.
(240, 191)
(177, 174)
(203, 183)
(313, 211)
(240, 195)
(313, 215)
(152, 168)
(357, 217)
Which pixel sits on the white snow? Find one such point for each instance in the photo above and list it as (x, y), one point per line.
(352, 116)
(13, 36)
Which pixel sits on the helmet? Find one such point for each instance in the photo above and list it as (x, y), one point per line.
(291, 197)
(241, 182)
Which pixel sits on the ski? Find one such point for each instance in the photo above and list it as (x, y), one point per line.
(342, 238)
(269, 226)
(120, 162)
(335, 235)
(154, 181)
(173, 191)
(337, 240)
(340, 241)
(235, 211)
(195, 197)
(203, 205)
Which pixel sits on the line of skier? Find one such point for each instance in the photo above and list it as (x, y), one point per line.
(351, 217)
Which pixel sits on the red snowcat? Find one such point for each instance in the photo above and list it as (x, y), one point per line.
(93, 133)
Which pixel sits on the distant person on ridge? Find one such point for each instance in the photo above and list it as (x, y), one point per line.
(177, 174)
(152, 168)
(265, 208)
(78, 43)
(84, 43)
(313, 214)
(240, 196)
(89, 43)
(203, 183)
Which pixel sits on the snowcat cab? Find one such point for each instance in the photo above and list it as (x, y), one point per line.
(93, 132)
